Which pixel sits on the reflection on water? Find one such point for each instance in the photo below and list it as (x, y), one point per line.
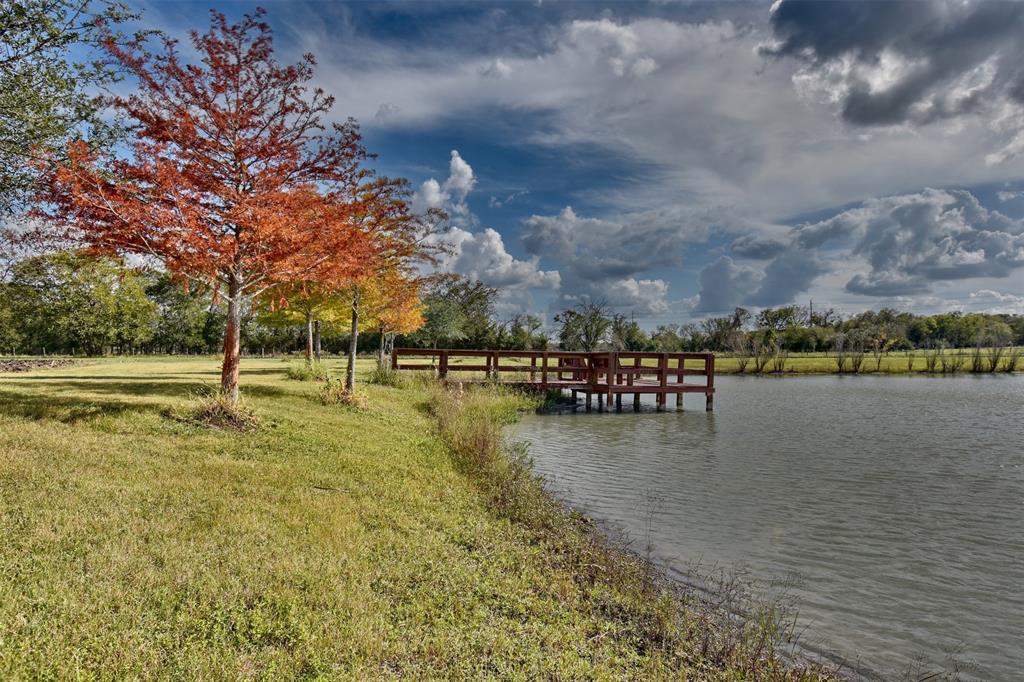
(893, 507)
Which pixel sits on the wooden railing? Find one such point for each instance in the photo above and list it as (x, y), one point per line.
(606, 374)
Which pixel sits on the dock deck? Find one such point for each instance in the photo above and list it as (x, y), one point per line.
(605, 374)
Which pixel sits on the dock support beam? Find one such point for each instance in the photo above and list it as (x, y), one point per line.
(618, 402)
(679, 401)
(590, 401)
(636, 402)
(600, 402)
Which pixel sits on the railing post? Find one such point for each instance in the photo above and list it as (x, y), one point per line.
(494, 364)
(662, 379)
(613, 361)
(442, 369)
(394, 359)
(544, 370)
(709, 370)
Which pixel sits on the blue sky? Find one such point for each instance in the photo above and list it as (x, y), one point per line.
(677, 159)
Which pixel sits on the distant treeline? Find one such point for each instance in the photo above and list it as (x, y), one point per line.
(71, 303)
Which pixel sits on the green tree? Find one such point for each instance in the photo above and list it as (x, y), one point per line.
(626, 334)
(10, 336)
(524, 333)
(443, 321)
(667, 338)
(48, 96)
(583, 328)
(181, 315)
(73, 302)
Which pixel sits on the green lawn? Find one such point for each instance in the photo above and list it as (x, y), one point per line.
(328, 544)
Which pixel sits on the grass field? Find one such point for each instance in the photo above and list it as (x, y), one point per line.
(330, 543)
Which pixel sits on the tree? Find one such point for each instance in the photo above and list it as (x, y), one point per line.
(717, 332)
(583, 328)
(778, 319)
(233, 181)
(306, 303)
(10, 335)
(74, 302)
(457, 309)
(48, 98)
(388, 304)
(443, 320)
(404, 241)
(626, 334)
(667, 338)
(181, 313)
(525, 333)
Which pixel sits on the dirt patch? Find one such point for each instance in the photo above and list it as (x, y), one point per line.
(27, 365)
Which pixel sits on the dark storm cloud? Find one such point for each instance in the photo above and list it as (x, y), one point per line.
(791, 273)
(757, 247)
(724, 285)
(929, 60)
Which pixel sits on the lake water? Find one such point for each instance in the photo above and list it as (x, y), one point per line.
(891, 507)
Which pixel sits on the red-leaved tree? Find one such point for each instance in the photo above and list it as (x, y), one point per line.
(234, 180)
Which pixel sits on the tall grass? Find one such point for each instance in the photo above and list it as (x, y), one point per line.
(952, 362)
(307, 371)
(383, 375)
(1012, 359)
(779, 360)
(691, 635)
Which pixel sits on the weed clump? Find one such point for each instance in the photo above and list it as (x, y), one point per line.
(307, 371)
(335, 393)
(216, 411)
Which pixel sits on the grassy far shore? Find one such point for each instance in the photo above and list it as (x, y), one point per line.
(949, 361)
(395, 540)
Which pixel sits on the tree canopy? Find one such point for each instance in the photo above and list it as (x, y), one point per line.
(234, 181)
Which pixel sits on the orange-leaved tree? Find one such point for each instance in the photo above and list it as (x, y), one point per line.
(234, 179)
(405, 242)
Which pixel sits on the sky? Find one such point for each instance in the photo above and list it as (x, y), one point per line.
(674, 160)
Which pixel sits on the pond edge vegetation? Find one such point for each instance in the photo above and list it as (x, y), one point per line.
(726, 633)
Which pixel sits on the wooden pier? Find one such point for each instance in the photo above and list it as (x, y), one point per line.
(604, 374)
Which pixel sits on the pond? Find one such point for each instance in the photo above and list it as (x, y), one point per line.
(891, 508)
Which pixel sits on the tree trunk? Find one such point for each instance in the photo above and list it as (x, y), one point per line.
(232, 344)
(350, 372)
(309, 338)
(316, 339)
(380, 355)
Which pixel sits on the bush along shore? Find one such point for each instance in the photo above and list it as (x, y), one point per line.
(397, 536)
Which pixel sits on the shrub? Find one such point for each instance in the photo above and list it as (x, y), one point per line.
(335, 393)
(952, 362)
(977, 361)
(1012, 359)
(779, 360)
(857, 360)
(307, 371)
(383, 375)
(995, 355)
